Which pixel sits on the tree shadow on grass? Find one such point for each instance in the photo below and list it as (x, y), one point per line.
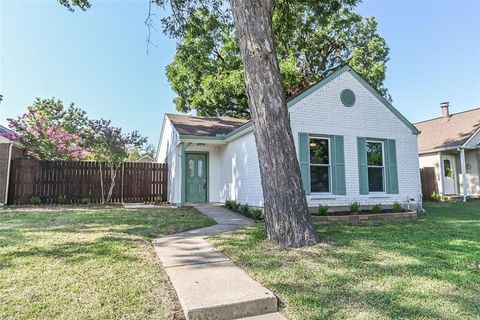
(108, 247)
(332, 276)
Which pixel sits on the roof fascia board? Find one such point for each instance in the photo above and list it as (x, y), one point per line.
(305, 93)
(472, 137)
(439, 150)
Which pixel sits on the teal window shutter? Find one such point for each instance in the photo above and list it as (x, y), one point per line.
(391, 166)
(362, 165)
(338, 166)
(304, 157)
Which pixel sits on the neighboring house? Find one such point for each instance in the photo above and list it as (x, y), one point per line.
(352, 145)
(9, 149)
(450, 146)
(146, 159)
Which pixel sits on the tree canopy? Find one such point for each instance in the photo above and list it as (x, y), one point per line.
(311, 43)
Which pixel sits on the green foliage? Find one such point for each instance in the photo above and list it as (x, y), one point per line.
(436, 197)
(85, 200)
(354, 207)
(244, 209)
(62, 199)
(232, 205)
(49, 131)
(158, 200)
(136, 152)
(397, 207)
(377, 208)
(35, 200)
(315, 41)
(256, 214)
(323, 209)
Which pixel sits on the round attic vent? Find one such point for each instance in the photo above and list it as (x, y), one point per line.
(347, 97)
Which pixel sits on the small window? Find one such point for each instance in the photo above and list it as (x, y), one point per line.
(200, 168)
(191, 168)
(447, 168)
(320, 165)
(376, 167)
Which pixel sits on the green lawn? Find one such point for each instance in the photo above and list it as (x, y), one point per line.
(398, 270)
(88, 264)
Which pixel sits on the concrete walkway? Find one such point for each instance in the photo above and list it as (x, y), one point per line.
(208, 284)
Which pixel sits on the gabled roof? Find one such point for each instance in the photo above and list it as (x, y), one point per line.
(449, 132)
(346, 68)
(226, 127)
(204, 126)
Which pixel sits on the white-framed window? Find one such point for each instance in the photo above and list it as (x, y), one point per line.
(320, 165)
(376, 165)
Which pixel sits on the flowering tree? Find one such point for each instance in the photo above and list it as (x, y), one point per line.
(9, 136)
(51, 132)
(109, 144)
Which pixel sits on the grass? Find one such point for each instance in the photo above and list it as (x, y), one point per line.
(87, 264)
(398, 270)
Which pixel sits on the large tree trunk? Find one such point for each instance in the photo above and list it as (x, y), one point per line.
(286, 210)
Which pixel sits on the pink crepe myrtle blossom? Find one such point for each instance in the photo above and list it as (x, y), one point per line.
(9, 136)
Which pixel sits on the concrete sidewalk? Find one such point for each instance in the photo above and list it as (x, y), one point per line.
(208, 284)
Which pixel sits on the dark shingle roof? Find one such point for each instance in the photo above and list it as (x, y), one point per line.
(204, 126)
(5, 130)
(449, 132)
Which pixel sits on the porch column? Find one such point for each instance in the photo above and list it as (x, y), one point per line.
(464, 174)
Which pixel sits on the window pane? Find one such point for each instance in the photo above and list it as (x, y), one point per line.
(447, 168)
(319, 151)
(200, 168)
(319, 179)
(375, 179)
(191, 168)
(374, 154)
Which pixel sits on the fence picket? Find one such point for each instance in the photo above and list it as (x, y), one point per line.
(142, 182)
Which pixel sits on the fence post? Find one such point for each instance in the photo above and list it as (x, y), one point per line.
(123, 173)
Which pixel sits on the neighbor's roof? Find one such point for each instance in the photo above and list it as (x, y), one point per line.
(204, 126)
(5, 130)
(451, 132)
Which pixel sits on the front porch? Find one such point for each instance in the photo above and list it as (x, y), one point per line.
(459, 173)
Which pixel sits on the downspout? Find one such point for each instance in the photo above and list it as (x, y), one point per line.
(9, 162)
(464, 174)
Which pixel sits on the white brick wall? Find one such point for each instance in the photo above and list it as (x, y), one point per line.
(234, 170)
(323, 113)
(241, 173)
(167, 153)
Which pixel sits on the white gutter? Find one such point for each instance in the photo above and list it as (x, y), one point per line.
(8, 171)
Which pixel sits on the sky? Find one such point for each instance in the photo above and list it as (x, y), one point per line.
(98, 58)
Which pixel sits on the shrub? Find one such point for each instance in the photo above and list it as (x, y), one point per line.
(235, 206)
(229, 204)
(35, 200)
(354, 207)
(62, 199)
(158, 199)
(323, 209)
(377, 208)
(436, 196)
(397, 207)
(256, 214)
(244, 209)
(85, 200)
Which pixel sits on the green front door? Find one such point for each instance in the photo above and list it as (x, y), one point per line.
(196, 182)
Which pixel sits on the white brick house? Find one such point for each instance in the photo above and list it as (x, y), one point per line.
(351, 143)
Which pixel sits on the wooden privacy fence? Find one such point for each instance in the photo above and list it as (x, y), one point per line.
(429, 182)
(77, 180)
